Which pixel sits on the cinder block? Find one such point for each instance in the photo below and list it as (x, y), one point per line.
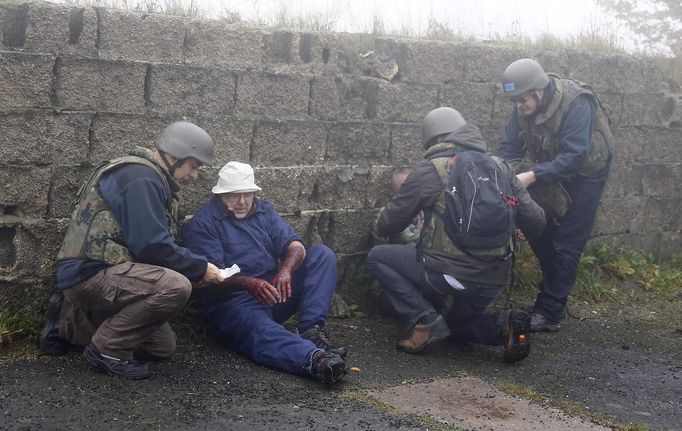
(194, 194)
(401, 102)
(273, 95)
(473, 100)
(642, 109)
(660, 180)
(353, 98)
(21, 294)
(425, 61)
(43, 27)
(325, 102)
(291, 143)
(350, 231)
(618, 216)
(66, 180)
(214, 42)
(114, 135)
(41, 137)
(148, 37)
(24, 190)
(302, 52)
(95, 85)
(319, 51)
(184, 89)
(282, 186)
(37, 245)
(662, 213)
(613, 107)
(567, 63)
(493, 135)
(486, 62)
(337, 187)
(26, 80)
(406, 145)
(231, 137)
(648, 145)
(627, 74)
(358, 143)
(379, 189)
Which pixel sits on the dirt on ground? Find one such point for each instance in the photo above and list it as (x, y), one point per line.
(613, 365)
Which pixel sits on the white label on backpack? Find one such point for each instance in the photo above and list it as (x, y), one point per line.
(452, 281)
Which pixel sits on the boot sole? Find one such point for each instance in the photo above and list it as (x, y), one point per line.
(520, 325)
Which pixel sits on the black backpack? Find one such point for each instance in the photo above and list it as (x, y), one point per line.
(480, 207)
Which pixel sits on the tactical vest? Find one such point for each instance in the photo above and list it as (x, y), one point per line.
(93, 232)
(433, 236)
(540, 134)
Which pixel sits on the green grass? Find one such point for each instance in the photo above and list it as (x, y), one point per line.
(610, 273)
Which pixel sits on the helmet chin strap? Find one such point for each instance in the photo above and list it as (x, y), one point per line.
(171, 167)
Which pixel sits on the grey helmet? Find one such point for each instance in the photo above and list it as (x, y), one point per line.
(439, 122)
(522, 76)
(184, 140)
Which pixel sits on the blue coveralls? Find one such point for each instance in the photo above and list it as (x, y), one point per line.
(560, 246)
(256, 243)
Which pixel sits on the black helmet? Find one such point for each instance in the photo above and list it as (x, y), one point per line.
(522, 76)
(184, 140)
(439, 122)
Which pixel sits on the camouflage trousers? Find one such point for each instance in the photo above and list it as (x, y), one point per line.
(124, 309)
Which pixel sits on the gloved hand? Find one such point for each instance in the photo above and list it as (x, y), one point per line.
(263, 291)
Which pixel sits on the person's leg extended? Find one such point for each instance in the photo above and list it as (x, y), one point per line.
(247, 327)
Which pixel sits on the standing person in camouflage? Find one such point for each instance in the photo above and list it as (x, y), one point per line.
(121, 276)
(559, 140)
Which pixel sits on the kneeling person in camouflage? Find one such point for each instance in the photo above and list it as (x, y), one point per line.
(121, 276)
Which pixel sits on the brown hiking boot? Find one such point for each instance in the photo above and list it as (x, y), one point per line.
(422, 336)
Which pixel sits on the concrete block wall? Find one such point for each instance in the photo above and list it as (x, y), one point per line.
(80, 84)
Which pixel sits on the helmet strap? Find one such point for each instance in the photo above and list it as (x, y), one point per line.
(170, 166)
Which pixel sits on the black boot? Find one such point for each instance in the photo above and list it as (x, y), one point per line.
(516, 336)
(129, 369)
(50, 341)
(317, 335)
(329, 367)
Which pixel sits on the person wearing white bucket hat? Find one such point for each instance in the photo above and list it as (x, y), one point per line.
(278, 278)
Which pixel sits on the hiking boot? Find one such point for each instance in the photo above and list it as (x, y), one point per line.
(329, 367)
(317, 335)
(129, 369)
(516, 336)
(422, 336)
(50, 341)
(538, 322)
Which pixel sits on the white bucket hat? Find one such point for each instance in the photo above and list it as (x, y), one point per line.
(236, 177)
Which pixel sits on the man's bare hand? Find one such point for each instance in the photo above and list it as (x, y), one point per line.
(263, 291)
(211, 276)
(526, 178)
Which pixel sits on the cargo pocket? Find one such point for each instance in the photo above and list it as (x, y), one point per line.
(132, 282)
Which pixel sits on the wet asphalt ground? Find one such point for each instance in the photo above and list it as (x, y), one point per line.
(621, 363)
